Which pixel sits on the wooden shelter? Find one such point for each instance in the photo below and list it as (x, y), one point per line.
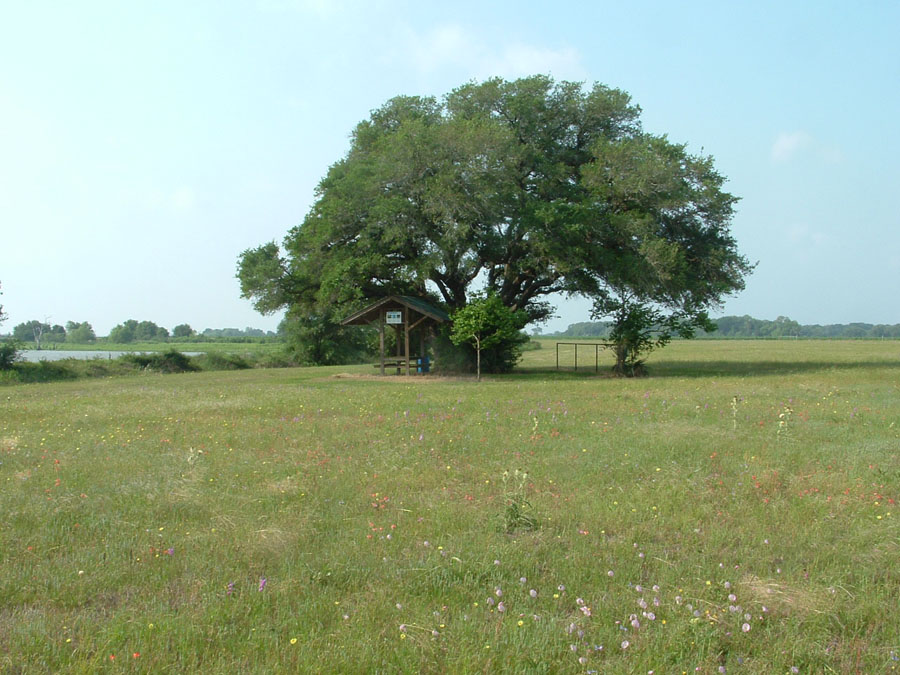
(404, 314)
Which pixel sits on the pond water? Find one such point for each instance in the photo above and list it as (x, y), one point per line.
(35, 355)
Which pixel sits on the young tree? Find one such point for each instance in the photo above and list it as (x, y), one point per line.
(487, 323)
(533, 186)
(638, 328)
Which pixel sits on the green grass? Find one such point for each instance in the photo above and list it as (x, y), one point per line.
(142, 513)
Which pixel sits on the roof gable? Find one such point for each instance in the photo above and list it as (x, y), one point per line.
(373, 313)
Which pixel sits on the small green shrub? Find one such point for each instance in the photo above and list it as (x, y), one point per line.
(44, 371)
(171, 361)
(221, 361)
(531, 346)
(9, 353)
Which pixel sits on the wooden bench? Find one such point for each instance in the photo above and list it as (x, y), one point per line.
(400, 363)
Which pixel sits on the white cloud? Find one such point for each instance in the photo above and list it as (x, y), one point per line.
(450, 46)
(788, 145)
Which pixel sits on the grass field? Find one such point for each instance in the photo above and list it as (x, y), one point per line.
(736, 511)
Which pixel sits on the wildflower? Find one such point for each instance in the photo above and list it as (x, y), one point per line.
(293, 641)
(585, 610)
(582, 660)
(560, 588)
(522, 580)
(532, 593)
(498, 592)
(230, 588)
(746, 628)
(579, 601)
(732, 597)
(609, 573)
(501, 607)
(402, 627)
(136, 655)
(625, 644)
(262, 583)
(434, 633)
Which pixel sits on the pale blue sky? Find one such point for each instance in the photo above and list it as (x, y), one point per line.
(144, 145)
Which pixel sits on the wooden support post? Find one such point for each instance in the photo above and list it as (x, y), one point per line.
(406, 336)
(381, 341)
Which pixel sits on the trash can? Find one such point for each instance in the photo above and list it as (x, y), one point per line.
(422, 365)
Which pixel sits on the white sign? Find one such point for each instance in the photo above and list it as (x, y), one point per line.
(393, 316)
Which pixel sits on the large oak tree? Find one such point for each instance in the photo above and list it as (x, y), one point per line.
(527, 188)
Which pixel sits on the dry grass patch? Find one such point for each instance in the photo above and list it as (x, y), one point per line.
(782, 600)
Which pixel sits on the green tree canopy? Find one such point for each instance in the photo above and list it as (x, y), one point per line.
(182, 330)
(527, 188)
(486, 323)
(80, 332)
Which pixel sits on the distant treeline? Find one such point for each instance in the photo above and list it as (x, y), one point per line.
(743, 327)
(41, 333)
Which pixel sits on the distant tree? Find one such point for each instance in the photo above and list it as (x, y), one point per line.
(182, 330)
(124, 332)
(2, 314)
(33, 331)
(80, 332)
(56, 333)
(487, 323)
(145, 331)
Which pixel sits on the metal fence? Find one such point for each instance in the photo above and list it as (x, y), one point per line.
(586, 346)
